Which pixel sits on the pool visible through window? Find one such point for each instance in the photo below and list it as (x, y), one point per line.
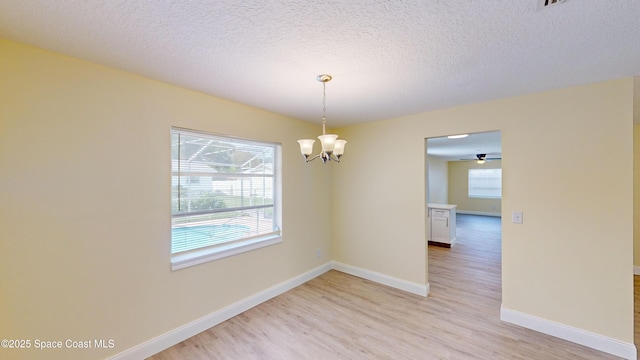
(224, 196)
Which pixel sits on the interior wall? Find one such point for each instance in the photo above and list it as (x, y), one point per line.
(85, 214)
(459, 188)
(636, 173)
(567, 165)
(636, 197)
(438, 175)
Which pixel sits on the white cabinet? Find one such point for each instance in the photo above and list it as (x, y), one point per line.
(442, 224)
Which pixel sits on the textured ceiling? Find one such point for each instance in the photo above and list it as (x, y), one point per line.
(388, 57)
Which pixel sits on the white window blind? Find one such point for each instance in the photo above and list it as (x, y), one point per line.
(223, 191)
(485, 183)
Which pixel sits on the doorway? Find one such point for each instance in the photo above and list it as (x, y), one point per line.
(465, 172)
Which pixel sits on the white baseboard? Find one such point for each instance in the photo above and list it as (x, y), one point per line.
(636, 270)
(483, 213)
(414, 288)
(578, 336)
(162, 342)
(195, 327)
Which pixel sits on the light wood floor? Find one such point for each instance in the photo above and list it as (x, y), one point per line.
(338, 316)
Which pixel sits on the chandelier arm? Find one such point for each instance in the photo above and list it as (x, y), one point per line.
(306, 158)
(325, 157)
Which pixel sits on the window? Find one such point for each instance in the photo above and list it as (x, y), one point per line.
(485, 183)
(224, 196)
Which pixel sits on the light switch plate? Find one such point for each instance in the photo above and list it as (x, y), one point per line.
(516, 217)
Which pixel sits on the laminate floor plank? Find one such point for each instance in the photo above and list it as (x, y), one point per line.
(339, 316)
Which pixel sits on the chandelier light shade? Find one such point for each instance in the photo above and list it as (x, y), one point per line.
(332, 148)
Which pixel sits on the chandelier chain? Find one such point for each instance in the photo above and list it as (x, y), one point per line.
(324, 102)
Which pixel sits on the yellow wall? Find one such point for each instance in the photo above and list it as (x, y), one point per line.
(636, 171)
(85, 219)
(459, 188)
(438, 175)
(567, 163)
(85, 209)
(636, 194)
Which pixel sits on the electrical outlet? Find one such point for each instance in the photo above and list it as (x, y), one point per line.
(516, 217)
(318, 253)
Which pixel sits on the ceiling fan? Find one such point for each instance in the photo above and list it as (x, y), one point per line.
(481, 158)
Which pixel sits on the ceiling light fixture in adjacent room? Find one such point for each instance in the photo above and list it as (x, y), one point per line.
(459, 136)
(481, 158)
(332, 148)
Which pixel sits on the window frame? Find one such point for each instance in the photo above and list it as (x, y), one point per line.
(211, 252)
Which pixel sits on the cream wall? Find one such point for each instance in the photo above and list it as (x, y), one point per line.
(438, 175)
(636, 195)
(636, 172)
(85, 221)
(567, 163)
(85, 214)
(459, 188)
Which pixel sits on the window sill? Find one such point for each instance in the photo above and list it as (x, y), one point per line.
(181, 261)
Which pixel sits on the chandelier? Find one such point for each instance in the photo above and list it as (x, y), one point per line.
(332, 148)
